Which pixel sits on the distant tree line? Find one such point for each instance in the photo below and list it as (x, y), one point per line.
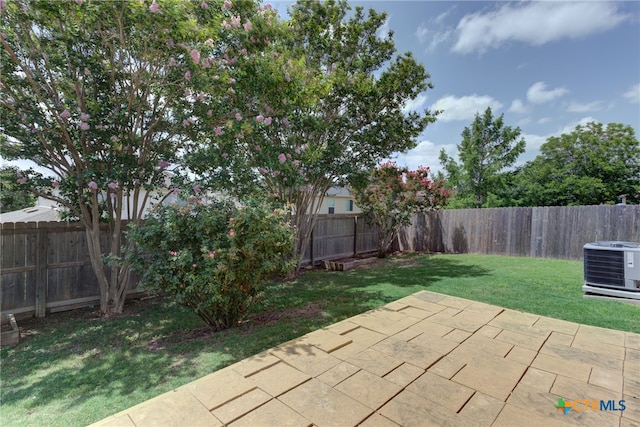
(594, 164)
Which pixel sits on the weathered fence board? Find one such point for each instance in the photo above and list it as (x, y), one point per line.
(551, 232)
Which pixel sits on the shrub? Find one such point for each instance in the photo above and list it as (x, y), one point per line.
(212, 257)
(390, 195)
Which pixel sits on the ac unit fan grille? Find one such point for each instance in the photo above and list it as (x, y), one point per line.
(604, 267)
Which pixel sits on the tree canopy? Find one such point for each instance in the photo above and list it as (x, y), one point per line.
(488, 147)
(593, 164)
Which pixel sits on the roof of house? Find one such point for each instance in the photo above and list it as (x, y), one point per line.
(34, 213)
(338, 192)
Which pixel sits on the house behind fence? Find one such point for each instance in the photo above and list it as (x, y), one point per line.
(45, 267)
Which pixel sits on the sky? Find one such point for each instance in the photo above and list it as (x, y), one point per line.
(546, 65)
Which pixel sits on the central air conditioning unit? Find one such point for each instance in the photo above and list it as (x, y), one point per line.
(612, 268)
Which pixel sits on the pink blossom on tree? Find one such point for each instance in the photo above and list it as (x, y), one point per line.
(282, 158)
(154, 7)
(65, 114)
(247, 26)
(84, 126)
(195, 56)
(92, 185)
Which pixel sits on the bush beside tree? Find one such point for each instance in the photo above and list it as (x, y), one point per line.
(212, 258)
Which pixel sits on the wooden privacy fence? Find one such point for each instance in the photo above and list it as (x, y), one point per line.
(549, 232)
(45, 267)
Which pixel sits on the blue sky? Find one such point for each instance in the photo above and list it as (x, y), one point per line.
(545, 65)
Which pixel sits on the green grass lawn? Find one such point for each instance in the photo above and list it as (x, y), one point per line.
(75, 368)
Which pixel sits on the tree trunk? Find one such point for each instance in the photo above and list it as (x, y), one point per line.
(112, 289)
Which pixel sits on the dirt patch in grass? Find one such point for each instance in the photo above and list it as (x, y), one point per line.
(309, 311)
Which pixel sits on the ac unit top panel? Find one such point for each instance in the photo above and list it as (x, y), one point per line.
(613, 245)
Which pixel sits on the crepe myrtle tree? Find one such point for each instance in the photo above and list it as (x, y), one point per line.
(390, 195)
(338, 107)
(101, 94)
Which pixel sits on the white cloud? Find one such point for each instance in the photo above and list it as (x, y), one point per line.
(539, 94)
(576, 107)
(440, 18)
(435, 38)
(383, 31)
(535, 23)
(415, 104)
(421, 33)
(464, 107)
(633, 94)
(426, 153)
(543, 120)
(439, 38)
(571, 126)
(518, 107)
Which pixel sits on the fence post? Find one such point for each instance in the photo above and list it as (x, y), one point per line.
(41, 271)
(355, 236)
(313, 261)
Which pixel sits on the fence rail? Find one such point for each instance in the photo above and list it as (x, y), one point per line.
(45, 267)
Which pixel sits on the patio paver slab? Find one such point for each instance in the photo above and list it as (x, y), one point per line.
(369, 389)
(273, 413)
(278, 379)
(324, 405)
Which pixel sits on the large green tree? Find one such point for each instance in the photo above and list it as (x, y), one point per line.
(488, 147)
(593, 164)
(339, 109)
(103, 94)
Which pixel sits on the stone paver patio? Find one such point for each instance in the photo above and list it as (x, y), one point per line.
(424, 360)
